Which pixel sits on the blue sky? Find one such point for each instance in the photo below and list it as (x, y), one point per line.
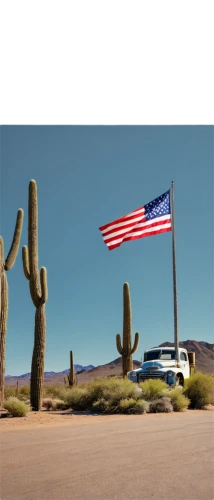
(86, 177)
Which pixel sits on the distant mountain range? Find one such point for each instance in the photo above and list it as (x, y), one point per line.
(204, 353)
(78, 369)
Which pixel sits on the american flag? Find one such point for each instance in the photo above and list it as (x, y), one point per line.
(152, 218)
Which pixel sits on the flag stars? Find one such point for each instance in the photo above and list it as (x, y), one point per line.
(160, 206)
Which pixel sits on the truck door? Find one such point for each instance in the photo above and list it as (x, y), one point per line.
(185, 364)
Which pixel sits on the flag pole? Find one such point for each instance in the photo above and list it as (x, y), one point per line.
(175, 299)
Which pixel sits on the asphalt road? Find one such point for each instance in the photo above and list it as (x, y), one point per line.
(151, 457)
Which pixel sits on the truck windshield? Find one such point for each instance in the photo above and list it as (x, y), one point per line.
(149, 356)
(161, 354)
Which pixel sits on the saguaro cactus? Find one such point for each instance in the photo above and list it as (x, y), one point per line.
(39, 295)
(71, 376)
(127, 350)
(6, 265)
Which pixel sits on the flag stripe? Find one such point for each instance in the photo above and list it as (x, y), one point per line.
(152, 229)
(159, 220)
(145, 223)
(142, 234)
(127, 223)
(136, 212)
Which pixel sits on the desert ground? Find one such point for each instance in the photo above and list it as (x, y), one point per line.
(78, 456)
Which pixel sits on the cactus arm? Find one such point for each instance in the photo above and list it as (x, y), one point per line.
(25, 261)
(136, 342)
(33, 243)
(44, 286)
(10, 260)
(35, 298)
(119, 346)
(30, 253)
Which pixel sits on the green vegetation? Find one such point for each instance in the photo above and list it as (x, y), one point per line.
(77, 398)
(9, 391)
(199, 389)
(151, 389)
(120, 395)
(53, 391)
(106, 396)
(54, 404)
(24, 393)
(59, 404)
(131, 405)
(15, 407)
(179, 401)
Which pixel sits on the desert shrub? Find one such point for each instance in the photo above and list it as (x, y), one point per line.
(160, 405)
(199, 389)
(102, 394)
(101, 405)
(25, 390)
(178, 400)
(54, 404)
(131, 405)
(15, 407)
(47, 403)
(152, 389)
(111, 389)
(9, 391)
(128, 405)
(58, 404)
(77, 398)
(52, 391)
(24, 393)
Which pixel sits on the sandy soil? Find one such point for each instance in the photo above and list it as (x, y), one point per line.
(156, 456)
(46, 418)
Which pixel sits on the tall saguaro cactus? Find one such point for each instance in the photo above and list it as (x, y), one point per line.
(71, 376)
(39, 295)
(6, 265)
(127, 350)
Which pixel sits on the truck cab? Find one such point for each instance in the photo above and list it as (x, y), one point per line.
(160, 363)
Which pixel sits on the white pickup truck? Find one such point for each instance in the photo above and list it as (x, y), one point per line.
(160, 362)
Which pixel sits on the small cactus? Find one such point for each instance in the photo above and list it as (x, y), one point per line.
(17, 388)
(6, 265)
(127, 350)
(39, 295)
